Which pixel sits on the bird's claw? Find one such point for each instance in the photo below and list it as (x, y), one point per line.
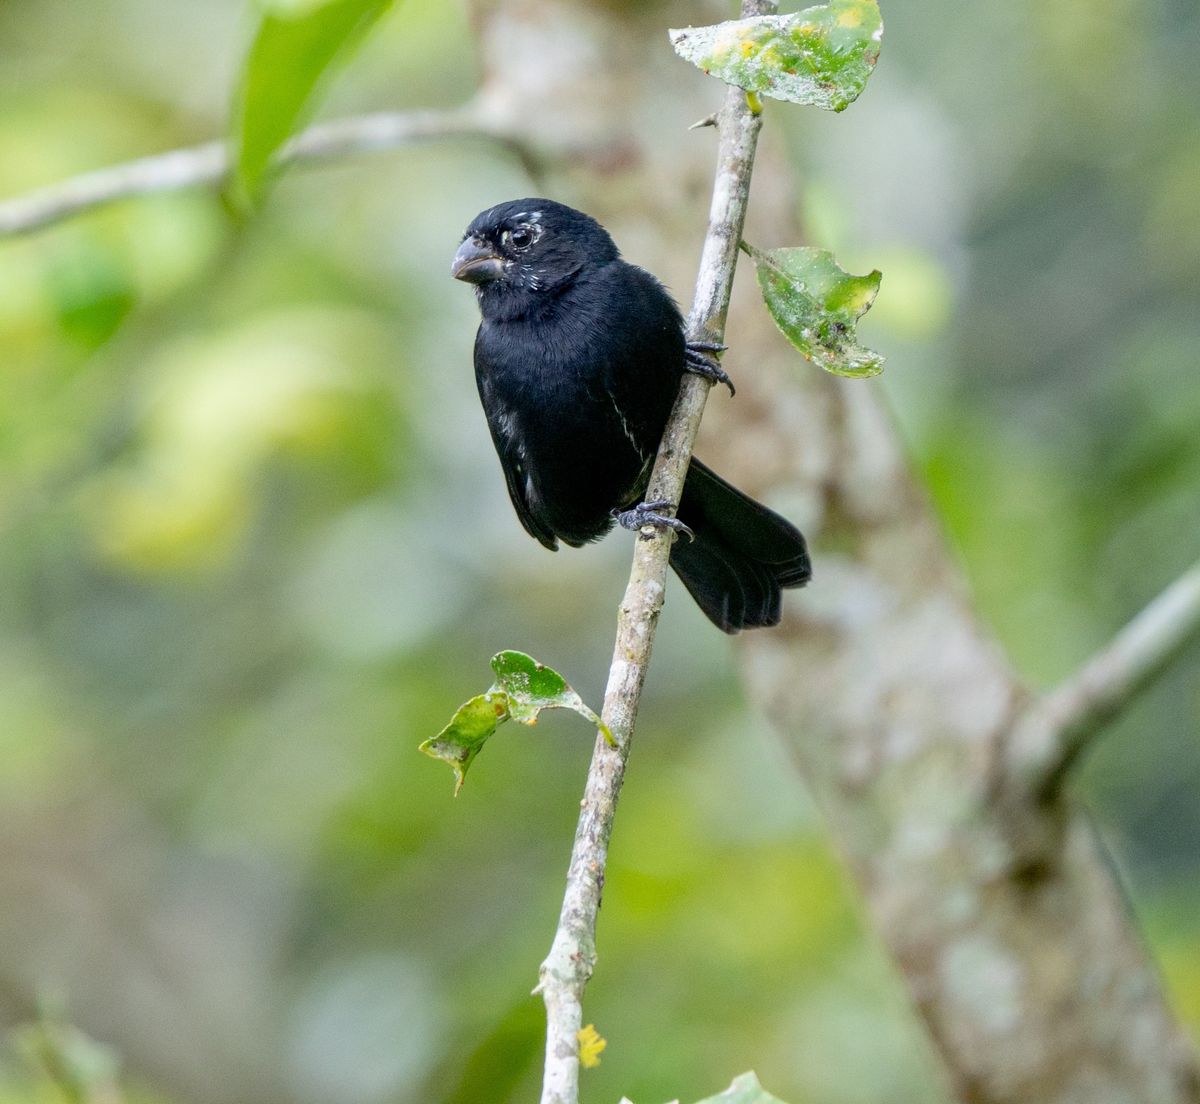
(701, 358)
(645, 513)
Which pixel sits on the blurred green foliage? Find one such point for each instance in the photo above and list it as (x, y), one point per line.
(238, 467)
(294, 50)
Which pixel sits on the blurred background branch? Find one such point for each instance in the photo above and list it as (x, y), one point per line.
(210, 164)
(1049, 738)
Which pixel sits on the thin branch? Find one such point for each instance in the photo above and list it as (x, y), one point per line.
(1048, 740)
(209, 164)
(569, 965)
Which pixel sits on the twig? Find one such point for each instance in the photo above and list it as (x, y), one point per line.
(1058, 727)
(209, 164)
(568, 967)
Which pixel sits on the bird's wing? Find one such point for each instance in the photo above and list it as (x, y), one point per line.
(508, 449)
(644, 334)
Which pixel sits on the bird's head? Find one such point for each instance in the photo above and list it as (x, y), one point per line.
(523, 253)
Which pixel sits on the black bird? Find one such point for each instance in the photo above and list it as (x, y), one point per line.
(579, 359)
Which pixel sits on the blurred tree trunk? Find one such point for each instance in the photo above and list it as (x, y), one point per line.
(1000, 911)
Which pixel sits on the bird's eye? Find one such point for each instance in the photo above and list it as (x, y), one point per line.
(521, 237)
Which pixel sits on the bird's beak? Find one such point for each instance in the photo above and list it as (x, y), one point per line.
(476, 262)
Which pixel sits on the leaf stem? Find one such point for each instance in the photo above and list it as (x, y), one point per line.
(568, 966)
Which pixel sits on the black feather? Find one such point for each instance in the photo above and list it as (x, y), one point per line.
(761, 551)
(578, 360)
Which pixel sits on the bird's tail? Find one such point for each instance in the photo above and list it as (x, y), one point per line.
(743, 556)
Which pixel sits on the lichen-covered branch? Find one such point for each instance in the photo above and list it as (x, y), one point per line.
(209, 164)
(568, 967)
(1001, 912)
(1049, 738)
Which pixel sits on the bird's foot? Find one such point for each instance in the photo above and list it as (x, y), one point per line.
(645, 513)
(701, 358)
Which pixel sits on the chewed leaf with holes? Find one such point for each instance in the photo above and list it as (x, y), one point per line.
(531, 687)
(816, 304)
(523, 688)
(744, 1090)
(469, 729)
(821, 56)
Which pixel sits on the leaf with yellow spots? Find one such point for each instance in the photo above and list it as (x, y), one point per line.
(523, 688)
(591, 1046)
(821, 56)
(816, 304)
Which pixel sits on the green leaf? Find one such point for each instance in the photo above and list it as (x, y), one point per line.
(78, 1067)
(297, 44)
(523, 688)
(816, 304)
(744, 1090)
(531, 687)
(469, 729)
(821, 56)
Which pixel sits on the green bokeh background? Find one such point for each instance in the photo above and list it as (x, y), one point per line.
(254, 547)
